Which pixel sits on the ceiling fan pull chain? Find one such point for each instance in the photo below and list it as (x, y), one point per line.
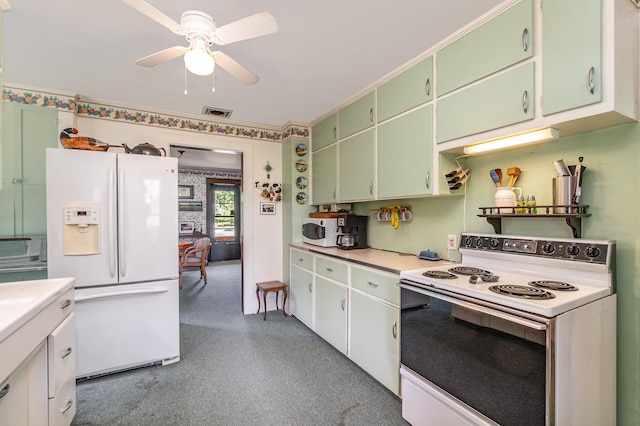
(185, 80)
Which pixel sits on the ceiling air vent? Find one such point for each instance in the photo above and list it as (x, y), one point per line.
(216, 112)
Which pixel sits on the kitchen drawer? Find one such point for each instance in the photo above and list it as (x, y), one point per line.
(383, 286)
(337, 271)
(302, 259)
(62, 408)
(62, 355)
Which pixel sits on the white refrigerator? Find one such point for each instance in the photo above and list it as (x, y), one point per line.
(112, 223)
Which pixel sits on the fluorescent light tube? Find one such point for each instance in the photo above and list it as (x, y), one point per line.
(535, 136)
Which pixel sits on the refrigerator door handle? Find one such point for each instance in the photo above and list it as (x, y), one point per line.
(111, 213)
(122, 293)
(121, 253)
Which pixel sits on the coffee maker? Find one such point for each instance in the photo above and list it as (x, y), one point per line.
(352, 232)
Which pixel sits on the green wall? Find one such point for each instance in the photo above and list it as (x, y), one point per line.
(610, 188)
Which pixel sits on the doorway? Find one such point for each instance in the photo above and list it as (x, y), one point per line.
(223, 219)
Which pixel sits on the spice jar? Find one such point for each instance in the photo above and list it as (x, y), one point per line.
(531, 204)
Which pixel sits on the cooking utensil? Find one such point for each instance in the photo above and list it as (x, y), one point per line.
(514, 172)
(578, 175)
(145, 149)
(499, 172)
(495, 177)
(561, 168)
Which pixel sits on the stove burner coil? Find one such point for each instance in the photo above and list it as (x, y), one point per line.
(554, 285)
(444, 275)
(468, 270)
(522, 292)
(473, 279)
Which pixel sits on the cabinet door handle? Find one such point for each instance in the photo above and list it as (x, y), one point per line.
(65, 304)
(592, 87)
(342, 303)
(371, 188)
(334, 193)
(16, 180)
(335, 133)
(329, 269)
(66, 352)
(427, 87)
(310, 287)
(300, 259)
(525, 43)
(525, 101)
(4, 391)
(67, 406)
(371, 115)
(372, 284)
(427, 178)
(394, 330)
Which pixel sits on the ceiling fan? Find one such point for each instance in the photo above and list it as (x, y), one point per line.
(201, 32)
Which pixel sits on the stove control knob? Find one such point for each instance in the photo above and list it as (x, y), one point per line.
(478, 242)
(592, 252)
(495, 243)
(573, 250)
(548, 248)
(467, 241)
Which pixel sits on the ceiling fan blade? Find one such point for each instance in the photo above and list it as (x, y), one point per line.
(162, 56)
(235, 69)
(153, 13)
(256, 25)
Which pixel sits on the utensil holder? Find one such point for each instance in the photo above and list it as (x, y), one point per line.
(564, 189)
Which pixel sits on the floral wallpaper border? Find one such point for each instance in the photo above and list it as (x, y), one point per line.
(148, 118)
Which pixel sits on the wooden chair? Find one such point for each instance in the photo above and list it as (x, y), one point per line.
(196, 256)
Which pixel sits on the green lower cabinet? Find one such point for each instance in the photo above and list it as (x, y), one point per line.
(357, 167)
(405, 155)
(499, 101)
(331, 313)
(301, 295)
(324, 175)
(375, 339)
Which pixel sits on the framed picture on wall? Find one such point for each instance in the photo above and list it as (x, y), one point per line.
(185, 191)
(186, 227)
(267, 208)
(190, 206)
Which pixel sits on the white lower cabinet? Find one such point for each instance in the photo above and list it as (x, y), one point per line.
(23, 396)
(62, 372)
(301, 295)
(331, 313)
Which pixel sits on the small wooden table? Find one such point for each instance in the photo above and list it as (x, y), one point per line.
(182, 247)
(268, 287)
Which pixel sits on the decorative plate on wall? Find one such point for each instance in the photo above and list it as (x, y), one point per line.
(301, 182)
(301, 150)
(301, 197)
(301, 166)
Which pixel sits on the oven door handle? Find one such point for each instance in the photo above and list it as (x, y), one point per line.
(478, 308)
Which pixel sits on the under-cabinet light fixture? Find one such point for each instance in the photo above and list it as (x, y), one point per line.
(536, 136)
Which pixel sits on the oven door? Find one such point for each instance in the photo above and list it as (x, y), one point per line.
(492, 361)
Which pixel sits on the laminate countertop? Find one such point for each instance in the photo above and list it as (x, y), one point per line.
(22, 300)
(389, 261)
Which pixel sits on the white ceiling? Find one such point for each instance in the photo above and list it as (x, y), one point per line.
(324, 53)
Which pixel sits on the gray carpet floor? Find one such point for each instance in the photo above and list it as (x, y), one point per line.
(237, 369)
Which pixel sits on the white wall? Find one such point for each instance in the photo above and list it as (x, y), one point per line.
(261, 234)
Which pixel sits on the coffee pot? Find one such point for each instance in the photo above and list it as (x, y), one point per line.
(145, 149)
(352, 232)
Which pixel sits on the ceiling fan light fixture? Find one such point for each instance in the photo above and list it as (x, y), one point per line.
(198, 60)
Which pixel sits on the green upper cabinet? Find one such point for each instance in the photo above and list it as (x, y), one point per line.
(358, 115)
(497, 102)
(27, 131)
(325, 132)
(357, 167)
(324, 175)
(499, 43)
(571, 54)
(405, 155)
(407, 90)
